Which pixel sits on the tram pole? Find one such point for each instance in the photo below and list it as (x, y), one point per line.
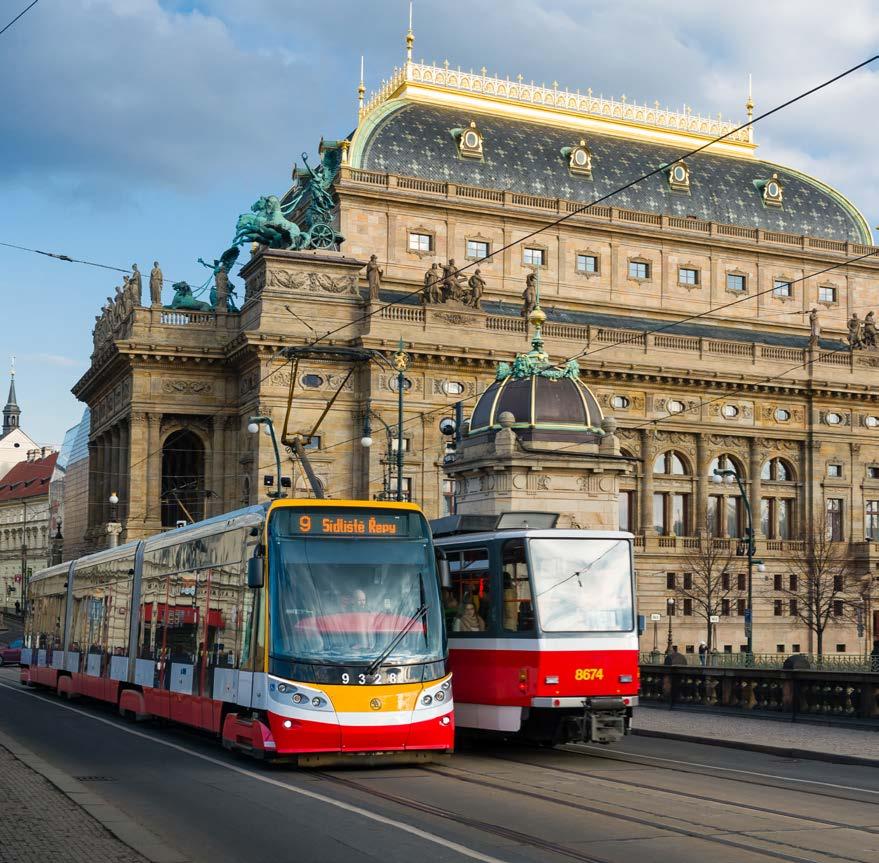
(401, 363)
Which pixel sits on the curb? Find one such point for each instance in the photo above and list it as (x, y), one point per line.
(783, 751)
(116, 822)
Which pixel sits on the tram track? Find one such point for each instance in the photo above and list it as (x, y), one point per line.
(698, 831)
(452, 772)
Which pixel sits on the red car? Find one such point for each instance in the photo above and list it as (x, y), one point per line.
(10, 654)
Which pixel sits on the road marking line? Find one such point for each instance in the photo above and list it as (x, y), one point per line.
(313, 795)
(728, 770)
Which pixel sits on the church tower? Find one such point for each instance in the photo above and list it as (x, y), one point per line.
(11, 412)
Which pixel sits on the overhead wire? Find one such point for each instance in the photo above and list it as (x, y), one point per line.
(20, 15)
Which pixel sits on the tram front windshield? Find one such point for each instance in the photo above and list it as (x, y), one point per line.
(346, 582)
(583, 585)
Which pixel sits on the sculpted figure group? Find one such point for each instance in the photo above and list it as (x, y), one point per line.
(118, 307)
(440, 286)
(863, 334)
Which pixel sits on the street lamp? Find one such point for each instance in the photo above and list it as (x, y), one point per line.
(729, 477)
(670, 603)
(114, 528)
(253, 427)
(367, 441)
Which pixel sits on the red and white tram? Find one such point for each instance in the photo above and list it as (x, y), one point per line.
(543, 639)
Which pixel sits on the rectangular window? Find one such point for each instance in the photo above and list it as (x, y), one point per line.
(724, 581)
(778, 581)
(766, 518)
(826, 294)
(420, 242)
(795, 648)
(689, 648)
(727, 648)
(792, 607)
(659, 512)
(743, 648)
(724, 607)
(840, 648)
(781, 288)
(313, 443)
(740, 607)
(873, 472)
(587, 264)
(834, 519)
(688, 581)
(779, 648)
(785, 509)
(469, 574)
(837, 608)
(395, 444)
(688, 276)
(533, 257)
(639, 270)
(778, 608)
(627, 510)
(837, 583)
(736, 283)
(733, 507)
(871, 527)
(742, 582)
(670, 581)
(477, 249)
(793, 581)
(688, 607)
(834, 470)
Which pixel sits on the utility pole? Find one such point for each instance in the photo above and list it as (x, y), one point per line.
(24, 556)
(401, 363)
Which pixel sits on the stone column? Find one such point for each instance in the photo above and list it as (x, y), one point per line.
(92, 504)
(138, 448)
(103, 470)
(214, 505)
(153, 503)
(756, 485)
(702, 479)
(645, 515)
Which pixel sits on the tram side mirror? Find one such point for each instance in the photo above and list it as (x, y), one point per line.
(642, 624)
(255, 572)
(442, 563)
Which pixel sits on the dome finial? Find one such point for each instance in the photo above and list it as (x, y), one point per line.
(537, 317)
(410, 36)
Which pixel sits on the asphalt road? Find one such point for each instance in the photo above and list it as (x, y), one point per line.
(646, 799)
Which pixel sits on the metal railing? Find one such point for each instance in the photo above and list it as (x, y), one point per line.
(770, 661)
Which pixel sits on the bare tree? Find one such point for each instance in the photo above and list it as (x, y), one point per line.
(709, 583)
(821, 584)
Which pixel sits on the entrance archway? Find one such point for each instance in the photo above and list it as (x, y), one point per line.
(183, 478)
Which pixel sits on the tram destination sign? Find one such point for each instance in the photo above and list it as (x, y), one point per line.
(347, 522)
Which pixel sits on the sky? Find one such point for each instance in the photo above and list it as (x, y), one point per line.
(136, 130)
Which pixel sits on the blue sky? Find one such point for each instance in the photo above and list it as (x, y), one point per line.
(137, 129)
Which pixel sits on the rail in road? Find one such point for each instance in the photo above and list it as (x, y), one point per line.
(646, 799)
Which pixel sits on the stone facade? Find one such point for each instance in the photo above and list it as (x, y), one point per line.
(744, 383)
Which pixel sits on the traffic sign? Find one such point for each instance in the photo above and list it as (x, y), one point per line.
(654, 617)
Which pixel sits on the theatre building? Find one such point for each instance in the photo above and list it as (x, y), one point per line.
(494, 174)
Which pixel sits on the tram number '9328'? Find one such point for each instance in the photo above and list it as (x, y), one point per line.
(362, 679)
(589, 674)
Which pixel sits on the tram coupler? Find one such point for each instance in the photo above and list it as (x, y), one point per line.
(604, 720)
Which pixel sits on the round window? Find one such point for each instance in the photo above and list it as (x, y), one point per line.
(453, 388)
(833, 419)
(871, 422)
(679, 174)
(772, 190)
(407, 384)
(781, 415)
(730, 411)
(619, 402)
(312, 381)
(674, 406)
(580, 157)
(471, 140)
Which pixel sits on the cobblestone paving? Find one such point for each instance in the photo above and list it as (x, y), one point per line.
(39, 824)
(763, 732)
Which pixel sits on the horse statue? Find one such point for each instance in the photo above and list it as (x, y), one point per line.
(267, 225)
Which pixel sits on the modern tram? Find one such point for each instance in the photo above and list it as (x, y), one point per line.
(543, 638)
(303, 630)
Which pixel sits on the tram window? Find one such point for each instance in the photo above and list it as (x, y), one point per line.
(468, 600)
(518, 614)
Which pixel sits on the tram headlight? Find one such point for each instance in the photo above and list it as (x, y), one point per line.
(282, 687)
(297, 698)
(440, 696)
(447, 685)
(427, 700)
(317, 701)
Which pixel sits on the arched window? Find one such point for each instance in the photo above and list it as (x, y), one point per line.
(672, 463)
(628, 499)
(671, 500)
(726, 461)
(777, 470)
(777, 506)
(183, 478)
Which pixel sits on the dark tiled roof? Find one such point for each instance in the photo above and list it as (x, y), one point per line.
(28, 478)
(416, 140)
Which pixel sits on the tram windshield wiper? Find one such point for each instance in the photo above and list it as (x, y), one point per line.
(376, 663)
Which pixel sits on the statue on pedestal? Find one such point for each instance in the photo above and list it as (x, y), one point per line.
(452, 287)
(814, 327)
(529, 295)
(870, 332)
(135, 287)
(156, 285)
(432, 292)
(374, 275)
(476, 284)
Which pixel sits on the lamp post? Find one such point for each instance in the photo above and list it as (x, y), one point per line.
(670, 608)
(253, 427)
(366, 441)
(401, 363)
(114, 528)
(729, 477)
